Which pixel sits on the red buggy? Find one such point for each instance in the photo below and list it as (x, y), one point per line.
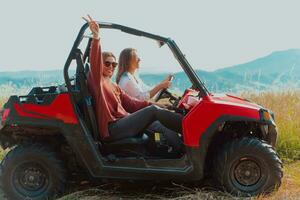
(52, 132)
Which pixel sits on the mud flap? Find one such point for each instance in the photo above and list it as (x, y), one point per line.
(272, 135)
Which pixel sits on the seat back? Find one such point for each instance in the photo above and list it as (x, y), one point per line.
(85, 104)
(87, 68)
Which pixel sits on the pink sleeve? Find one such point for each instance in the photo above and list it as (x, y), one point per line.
(132, 104)
(96, 61)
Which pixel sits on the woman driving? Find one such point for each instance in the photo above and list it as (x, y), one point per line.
(119, 115)
(129, 81)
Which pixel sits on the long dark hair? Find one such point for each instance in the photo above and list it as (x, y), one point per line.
(124, 62)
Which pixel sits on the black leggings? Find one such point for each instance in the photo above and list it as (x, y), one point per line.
(152, 117)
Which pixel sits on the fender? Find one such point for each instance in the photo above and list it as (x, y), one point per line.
(206, 138)
(208, 110)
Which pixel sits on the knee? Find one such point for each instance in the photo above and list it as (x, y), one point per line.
(153, 109)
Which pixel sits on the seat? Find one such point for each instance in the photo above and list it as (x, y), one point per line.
(127, 147)
(85, 103)
(128, 141)
(86, 68)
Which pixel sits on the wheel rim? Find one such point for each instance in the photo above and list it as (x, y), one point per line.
(247, 172)
(30, 179)
(248, 175)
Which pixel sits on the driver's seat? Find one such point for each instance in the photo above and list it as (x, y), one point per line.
(116, 145)
(132, 144)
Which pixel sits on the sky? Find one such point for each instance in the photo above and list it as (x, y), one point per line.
(38, 34)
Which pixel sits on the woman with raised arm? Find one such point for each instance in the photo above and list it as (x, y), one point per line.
(119, 115)
(129, 81)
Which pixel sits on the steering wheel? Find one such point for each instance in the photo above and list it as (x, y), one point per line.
(164, 93)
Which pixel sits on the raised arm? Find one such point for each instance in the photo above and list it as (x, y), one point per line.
(96, 60)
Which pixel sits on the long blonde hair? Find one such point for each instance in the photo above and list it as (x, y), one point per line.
(124, 62)
(106, 54)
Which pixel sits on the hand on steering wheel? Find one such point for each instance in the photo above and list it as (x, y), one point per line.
(164, 93)
(165, 84)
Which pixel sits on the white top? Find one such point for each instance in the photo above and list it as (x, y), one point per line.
(134, 86)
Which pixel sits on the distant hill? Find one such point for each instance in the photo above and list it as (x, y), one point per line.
(279, 70)
(31, 78)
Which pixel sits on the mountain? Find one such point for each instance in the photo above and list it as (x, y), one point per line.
(31, 78)
(279, 70)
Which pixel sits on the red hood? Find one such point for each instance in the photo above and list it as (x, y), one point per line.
(232, 100)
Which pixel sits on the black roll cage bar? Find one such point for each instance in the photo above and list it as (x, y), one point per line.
(195, 80)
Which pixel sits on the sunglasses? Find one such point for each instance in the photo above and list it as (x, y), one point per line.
(108, 64)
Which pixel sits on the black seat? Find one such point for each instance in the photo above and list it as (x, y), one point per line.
(85, 101)
(86, 68)
(127, 147)
(127, 141)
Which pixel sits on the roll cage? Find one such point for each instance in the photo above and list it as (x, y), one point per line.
(197, 83)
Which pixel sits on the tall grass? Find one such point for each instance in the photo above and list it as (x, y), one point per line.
(2, 101)
(9, 89)
(286, 107)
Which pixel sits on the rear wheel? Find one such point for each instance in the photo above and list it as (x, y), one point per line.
(248, 167)
(32, 172)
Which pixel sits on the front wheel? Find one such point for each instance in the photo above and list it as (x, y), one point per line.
(32, 171)
(248, 167)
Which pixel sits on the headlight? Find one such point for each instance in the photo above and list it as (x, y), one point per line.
(266, 116)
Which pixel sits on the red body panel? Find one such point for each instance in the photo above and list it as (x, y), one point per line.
(61, 108)
(210, 109)
(5, 115)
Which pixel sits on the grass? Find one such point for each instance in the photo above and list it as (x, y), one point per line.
(10, 89)
(285, 105)
(289, 190)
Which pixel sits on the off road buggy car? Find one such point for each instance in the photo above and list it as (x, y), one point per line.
(52, 132)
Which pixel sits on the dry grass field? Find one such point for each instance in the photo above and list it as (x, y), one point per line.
(289, 190)
(285, 105)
